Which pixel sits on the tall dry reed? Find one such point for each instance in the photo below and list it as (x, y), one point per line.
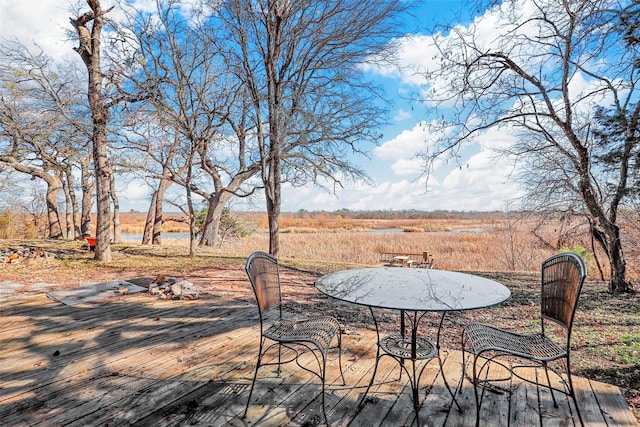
(491, 250)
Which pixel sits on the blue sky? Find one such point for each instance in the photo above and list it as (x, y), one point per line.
(481, 184)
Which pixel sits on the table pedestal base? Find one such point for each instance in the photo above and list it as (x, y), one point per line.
(414, 348)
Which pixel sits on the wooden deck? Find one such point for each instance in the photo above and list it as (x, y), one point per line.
(135, 360)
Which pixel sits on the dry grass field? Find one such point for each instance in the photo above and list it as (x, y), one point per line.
(496, 242)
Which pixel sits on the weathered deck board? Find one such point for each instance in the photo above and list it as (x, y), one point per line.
(137, 361)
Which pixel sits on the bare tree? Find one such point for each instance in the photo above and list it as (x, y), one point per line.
(44, 117)
(40, 127)
(204, 148)
(309, 104)
(53, 188)
(105, 91)
(539, 74)
(158, 156)
(89, 28)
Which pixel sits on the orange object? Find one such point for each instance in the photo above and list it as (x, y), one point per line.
(11, 258)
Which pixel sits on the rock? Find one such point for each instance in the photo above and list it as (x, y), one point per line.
(184, 284)
(176, 289)
(190, 293)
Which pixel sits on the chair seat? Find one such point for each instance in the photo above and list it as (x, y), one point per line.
(535, 347)
(399, 346)
(318, 330)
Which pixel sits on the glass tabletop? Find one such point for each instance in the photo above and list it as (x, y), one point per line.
(418, 289)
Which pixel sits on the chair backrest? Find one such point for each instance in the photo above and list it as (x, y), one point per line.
(262, 269)
(562, 278)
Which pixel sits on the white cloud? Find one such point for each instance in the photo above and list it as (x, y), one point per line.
(48, 25)
(411, 167)
(480, 183)
(405, 145)
(44, 24)
(496, 138)
(402, 115)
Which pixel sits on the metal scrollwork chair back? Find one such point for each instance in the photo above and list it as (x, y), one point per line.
(313, 334)
(562, 278)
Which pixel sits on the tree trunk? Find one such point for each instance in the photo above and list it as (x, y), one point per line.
(211, 226)
(117, 231)
(53, 189)
(68, 220)
(73, 200)
(87, 195)
(153, 225)
(610, 241)
(89, 50)
(103, 198)
(158, 218)
(272, 192)
(159, 211)
(148, 223)
(273, 214)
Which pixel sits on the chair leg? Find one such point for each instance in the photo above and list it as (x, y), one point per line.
(464, 362)
(475, 388)
(253, 383)
(553, 396)
(344, 382)
(572, 392)
(324, 375)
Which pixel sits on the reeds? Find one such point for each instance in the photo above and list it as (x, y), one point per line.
(487, 250)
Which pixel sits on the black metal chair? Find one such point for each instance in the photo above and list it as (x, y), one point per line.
(562, 278)
(313, 334)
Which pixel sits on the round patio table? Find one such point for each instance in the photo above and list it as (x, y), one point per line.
(414, 292)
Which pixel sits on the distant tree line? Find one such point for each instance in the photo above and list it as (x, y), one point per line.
(403, 214)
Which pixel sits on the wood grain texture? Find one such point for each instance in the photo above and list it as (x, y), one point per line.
(135, 360)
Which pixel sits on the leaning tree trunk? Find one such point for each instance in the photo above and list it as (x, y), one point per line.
(211, 227)
(158, 219)
(53, 188)
(153, 224)
(148, 223)
(608, 237)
